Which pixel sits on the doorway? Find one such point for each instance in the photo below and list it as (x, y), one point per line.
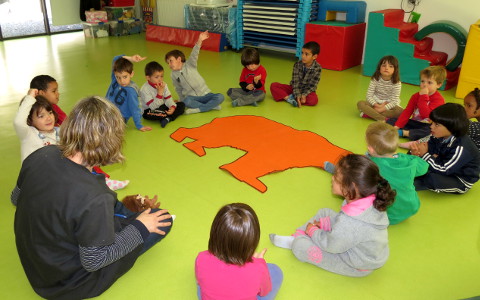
(22, 18)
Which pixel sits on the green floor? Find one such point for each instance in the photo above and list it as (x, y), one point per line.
(434, 255)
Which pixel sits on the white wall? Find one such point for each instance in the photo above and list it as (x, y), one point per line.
(170, 12)
(65, 12)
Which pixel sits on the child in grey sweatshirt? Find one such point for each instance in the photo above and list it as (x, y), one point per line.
(354, 241)
(189, 84)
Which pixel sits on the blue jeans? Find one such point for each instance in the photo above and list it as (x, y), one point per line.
(204, 103)
(276, 276)
(121, 211)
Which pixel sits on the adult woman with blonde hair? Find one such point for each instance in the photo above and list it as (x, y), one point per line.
(73, 236)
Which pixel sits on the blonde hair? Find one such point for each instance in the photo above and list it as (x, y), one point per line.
(382, 137)
(438, 73)
(94, 129)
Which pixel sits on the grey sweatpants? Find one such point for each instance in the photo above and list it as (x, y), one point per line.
(305, 250)
(245, 98)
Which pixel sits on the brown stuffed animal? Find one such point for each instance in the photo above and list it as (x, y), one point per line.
(138, 203)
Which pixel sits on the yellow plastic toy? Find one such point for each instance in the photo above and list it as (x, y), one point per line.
(469, 74)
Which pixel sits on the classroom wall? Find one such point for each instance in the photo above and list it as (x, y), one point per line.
(462, 12)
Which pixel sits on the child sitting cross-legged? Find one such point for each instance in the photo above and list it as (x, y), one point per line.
(252, 80)
(413, 123)
(383, 95)
(453, 158)
(157, 102)
(398, 169)
(123, 92)
(189, 84)
(302, 89)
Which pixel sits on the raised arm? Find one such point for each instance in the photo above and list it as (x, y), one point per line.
(20, 121)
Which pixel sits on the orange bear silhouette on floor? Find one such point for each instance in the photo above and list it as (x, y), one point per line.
(270, 146)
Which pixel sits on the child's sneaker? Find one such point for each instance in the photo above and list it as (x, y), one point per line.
(292, 100)
(234, 103)
(364, 115)
(164, 122)
(189, 111)
(218, 107)
(116, 184)
(254, 103)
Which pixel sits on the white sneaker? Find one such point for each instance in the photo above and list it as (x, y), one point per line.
(189, 111)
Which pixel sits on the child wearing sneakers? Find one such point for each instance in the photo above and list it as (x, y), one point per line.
(383, 95)
(157, 102)
(414, 122)
(252, 80)
(398, 169)
(123, 92)
(354, 241)
(305, 77)
(189, 84)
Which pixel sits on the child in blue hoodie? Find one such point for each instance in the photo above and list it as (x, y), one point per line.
(123, 92)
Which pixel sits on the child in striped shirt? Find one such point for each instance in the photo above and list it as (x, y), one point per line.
(383, 95)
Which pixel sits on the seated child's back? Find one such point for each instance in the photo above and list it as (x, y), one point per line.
(398, 169)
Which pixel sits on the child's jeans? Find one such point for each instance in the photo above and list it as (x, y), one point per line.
(204, 103)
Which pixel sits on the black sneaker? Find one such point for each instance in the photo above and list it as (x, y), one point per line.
(164, 122)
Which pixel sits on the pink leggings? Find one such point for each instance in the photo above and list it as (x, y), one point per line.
(280, 91)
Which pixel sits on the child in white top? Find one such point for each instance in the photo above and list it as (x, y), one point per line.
(383, 95)
(35, 126)
(156, 99)
(35, 123)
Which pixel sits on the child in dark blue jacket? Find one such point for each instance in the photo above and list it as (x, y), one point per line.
(453, 157)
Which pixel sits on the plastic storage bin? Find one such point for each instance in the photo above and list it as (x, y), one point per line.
(96, 16)
(120, 13)
(98, 30)
(126, 27)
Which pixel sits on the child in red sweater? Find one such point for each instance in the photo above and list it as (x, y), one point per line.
(414, 123)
